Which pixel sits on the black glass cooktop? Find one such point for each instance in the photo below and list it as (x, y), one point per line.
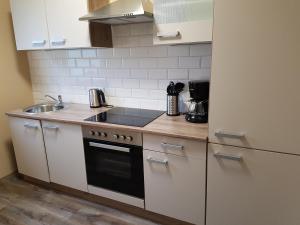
(127, 116)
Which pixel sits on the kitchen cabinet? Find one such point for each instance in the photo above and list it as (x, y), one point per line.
(252, 187)
(65, 29)
(30, 24)
(44, 24)
(182, 21)
(254, 95)
(175, 184)
(27, 137)
(65, 153)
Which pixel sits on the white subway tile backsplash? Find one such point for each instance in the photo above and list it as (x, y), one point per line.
(121, 52)
(131, 83)
(179, 50)
(171, 62)
(189, 62)
(76, 72)
(82, 62)
(132, 74)
(89, 53)
(74, 54)
(201, 50)
(177, 74)
(206, 62)
(148, 84)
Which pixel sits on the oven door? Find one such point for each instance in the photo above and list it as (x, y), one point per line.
(116, 167)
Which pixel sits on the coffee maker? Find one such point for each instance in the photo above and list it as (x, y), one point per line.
(198, 107)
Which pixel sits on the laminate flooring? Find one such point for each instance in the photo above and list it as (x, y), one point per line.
(22, 203)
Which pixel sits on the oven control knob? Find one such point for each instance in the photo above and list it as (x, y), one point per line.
(91, 132)
(122, 137)
(103, 134)
(115, 136)
(129, 138)
(98, 134)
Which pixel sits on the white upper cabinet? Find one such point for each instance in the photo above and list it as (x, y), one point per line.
(183, 21)
(254, 98)
(65, 153)
(44, 24)
(65, 29)
(30, 24)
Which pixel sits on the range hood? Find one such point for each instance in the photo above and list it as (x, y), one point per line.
(122, 12)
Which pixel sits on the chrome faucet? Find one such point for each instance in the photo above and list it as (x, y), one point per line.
(59, 101)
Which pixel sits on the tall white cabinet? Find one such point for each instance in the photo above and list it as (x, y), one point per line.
(251, 187)
(253, 159)
(27, 137)
(254, 98)
(182, 21)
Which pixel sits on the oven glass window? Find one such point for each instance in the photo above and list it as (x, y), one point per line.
(113, 169)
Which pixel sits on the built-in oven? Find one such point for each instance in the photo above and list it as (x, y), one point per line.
(114, 160)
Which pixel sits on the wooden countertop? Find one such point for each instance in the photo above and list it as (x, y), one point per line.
(163, 125)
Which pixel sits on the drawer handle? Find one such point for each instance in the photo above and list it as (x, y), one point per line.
(229, 134)
(31, 126)
(159, 161)
(59, 42)
(177, 147)
(38, 42)
(175, 34)
(227, 156)
(48, 127)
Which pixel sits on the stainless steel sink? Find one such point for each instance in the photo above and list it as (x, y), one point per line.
(42, 108)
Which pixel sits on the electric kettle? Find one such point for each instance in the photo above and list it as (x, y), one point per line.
(97, 98)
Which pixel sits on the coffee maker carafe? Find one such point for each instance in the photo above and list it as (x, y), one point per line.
(198, 106)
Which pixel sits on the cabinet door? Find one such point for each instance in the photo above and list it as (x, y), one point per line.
(250, 187)
(30, 24)
(175, 185)
(65, 29)
(183, 21)
(254, 98)
(27, 137)
(64, 146)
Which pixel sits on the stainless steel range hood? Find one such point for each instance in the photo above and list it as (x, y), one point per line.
(122, 12)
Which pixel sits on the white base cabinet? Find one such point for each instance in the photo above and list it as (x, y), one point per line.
(175, 185)
(251, 187)
(27, 137)
(65, 153)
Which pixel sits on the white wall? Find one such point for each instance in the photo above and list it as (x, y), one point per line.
(133, 74)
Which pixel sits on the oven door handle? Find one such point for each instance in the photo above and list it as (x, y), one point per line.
(110, 147)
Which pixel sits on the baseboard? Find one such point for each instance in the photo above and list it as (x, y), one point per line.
(105, 201)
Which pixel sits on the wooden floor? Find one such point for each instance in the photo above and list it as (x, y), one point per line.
(22, 203)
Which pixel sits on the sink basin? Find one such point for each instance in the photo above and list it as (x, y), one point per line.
(42, 108)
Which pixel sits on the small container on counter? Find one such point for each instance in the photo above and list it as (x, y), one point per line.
(173, 91)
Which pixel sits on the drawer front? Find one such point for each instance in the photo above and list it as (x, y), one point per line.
(176, 146)
(175, 186)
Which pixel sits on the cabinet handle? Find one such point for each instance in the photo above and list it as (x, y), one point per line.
(229, 134)
(31, 126)
(177, 147)
(38, 42)
(49, 127)
(227, 156)
(159, 161)
(59, 41)
(175, 34)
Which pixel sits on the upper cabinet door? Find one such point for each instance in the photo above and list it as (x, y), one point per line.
(65, 29)
(30, 24)
(183, 21)
(254, 99)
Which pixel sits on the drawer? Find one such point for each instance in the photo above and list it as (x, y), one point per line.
(176, 146)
